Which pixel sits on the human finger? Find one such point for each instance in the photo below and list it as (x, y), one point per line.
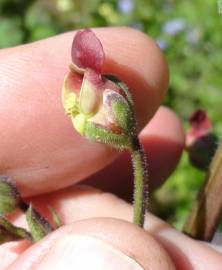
(101, 243)
(80, 203)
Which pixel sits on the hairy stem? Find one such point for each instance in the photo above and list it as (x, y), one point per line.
(207, 210)
(140, 182)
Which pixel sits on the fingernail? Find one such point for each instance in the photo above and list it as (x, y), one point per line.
(85, 252)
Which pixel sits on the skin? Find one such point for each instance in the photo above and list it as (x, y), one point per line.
(46, 154)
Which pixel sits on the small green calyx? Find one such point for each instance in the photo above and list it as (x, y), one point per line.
(119, 112)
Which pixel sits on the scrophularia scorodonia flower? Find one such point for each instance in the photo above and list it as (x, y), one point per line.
(96, 103)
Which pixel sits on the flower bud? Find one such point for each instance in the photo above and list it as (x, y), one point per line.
(201, 142)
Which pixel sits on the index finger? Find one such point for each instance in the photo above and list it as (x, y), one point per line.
(39, 147)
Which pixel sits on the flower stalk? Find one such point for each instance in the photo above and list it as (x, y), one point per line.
(140, 182)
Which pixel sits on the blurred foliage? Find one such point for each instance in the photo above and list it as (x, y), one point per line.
(188, 32)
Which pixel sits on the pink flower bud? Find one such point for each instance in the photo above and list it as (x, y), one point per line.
(200, 125)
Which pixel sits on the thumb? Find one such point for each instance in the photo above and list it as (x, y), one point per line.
(101, 243)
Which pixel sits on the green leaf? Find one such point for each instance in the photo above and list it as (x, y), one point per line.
(56, 218)
(9, 232)
(9, 195)
(38, 225)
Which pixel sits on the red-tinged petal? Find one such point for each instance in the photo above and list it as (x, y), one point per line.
(87, 51)
(200, 126)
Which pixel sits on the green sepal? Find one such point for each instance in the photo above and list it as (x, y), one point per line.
(9, 232)
(9, 195)
(121, 112)
(55, 217)
(38, 225)
(100, 134)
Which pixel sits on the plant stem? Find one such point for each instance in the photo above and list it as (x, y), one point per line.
(207, 210)
(140, 182)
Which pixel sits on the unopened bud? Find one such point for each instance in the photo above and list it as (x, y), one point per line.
(201, 142)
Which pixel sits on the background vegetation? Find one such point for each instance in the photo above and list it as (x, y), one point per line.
(189, 33)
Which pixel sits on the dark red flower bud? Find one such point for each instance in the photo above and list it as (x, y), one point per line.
(201, 142)
(200, 126)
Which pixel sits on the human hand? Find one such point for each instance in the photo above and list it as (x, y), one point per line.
(41, 151)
